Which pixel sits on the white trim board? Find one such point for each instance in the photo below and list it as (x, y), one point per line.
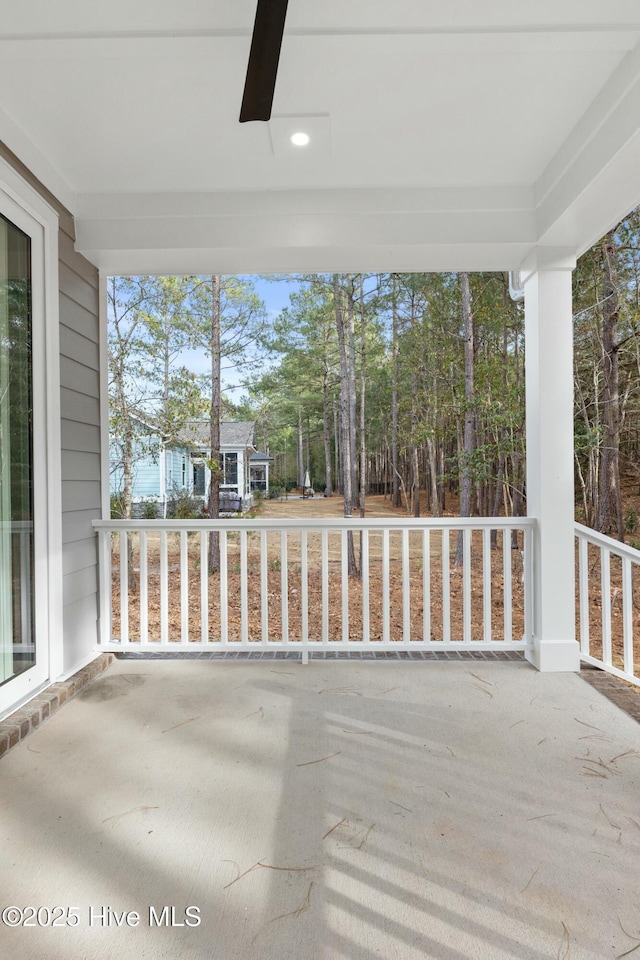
(25, 208)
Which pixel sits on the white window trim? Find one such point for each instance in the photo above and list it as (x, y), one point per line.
(24, 207)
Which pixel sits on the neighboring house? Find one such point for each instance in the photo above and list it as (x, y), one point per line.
(236, 448)
(259, 463)
(163, 471)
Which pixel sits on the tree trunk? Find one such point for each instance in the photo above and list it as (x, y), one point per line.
(300, 448)
(469, 418)
(415, 481)
(351, 373)
(215, 417)
(395, 475)
(345, 442)
(363, 385)
(415, 466)
(326, 426)
(433, 476)
(610, 505)
(497, 500)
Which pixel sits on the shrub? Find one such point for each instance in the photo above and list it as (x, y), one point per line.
(148, 509)
(631, 520)
(183, 506)
(117, 506)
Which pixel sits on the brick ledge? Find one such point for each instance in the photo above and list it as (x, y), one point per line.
(625, 695)
(18, 725)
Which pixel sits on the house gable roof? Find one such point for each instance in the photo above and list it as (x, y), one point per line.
(237, 434)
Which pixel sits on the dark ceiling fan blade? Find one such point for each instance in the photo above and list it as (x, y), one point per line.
(263, 60)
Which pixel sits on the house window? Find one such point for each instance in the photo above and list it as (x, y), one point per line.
(199, 479)
(258, 477)
(229, 466)
(16, 454)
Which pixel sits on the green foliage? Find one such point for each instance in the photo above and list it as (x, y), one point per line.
(148, 509)
(117, 506)
(183, 506)
(631, 520)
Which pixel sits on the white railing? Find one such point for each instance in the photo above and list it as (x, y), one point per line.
(285, 584)
(608, 622)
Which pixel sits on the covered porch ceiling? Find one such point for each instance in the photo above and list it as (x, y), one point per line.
(444, 136)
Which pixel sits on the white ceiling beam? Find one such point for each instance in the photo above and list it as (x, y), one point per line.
(60, 17)
(449, 199)
(188, 43)
(348, 229)
(337, 259)
(302, 230)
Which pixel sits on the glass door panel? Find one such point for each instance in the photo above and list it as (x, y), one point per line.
(17, 641)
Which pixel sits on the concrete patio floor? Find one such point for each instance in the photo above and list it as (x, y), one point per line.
(339, 810)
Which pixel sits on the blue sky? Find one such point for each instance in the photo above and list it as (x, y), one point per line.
(275, 293)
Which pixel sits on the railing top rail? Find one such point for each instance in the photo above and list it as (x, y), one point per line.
(315, 523)
(602, 540)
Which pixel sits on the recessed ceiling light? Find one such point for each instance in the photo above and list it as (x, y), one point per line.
(301, 137)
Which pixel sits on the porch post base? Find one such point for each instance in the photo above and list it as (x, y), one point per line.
(554, 655)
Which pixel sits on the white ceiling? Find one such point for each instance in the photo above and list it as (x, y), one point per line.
(448, 138)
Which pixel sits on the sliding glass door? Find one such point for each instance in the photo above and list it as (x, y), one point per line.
(17, 639)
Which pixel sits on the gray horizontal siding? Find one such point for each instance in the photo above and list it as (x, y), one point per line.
(77, 523)
(78, 318)
(80, 436)
(80, 555)
(80, 429)
(76, 376)
(76, 406)
(80, 495)
(78, 347)
(79, 585)
(80, 463)
(79, 623)
(78, 290)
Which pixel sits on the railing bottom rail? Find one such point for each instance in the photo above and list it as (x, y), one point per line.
(307, 651)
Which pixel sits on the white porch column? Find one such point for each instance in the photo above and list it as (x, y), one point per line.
(550, 470)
